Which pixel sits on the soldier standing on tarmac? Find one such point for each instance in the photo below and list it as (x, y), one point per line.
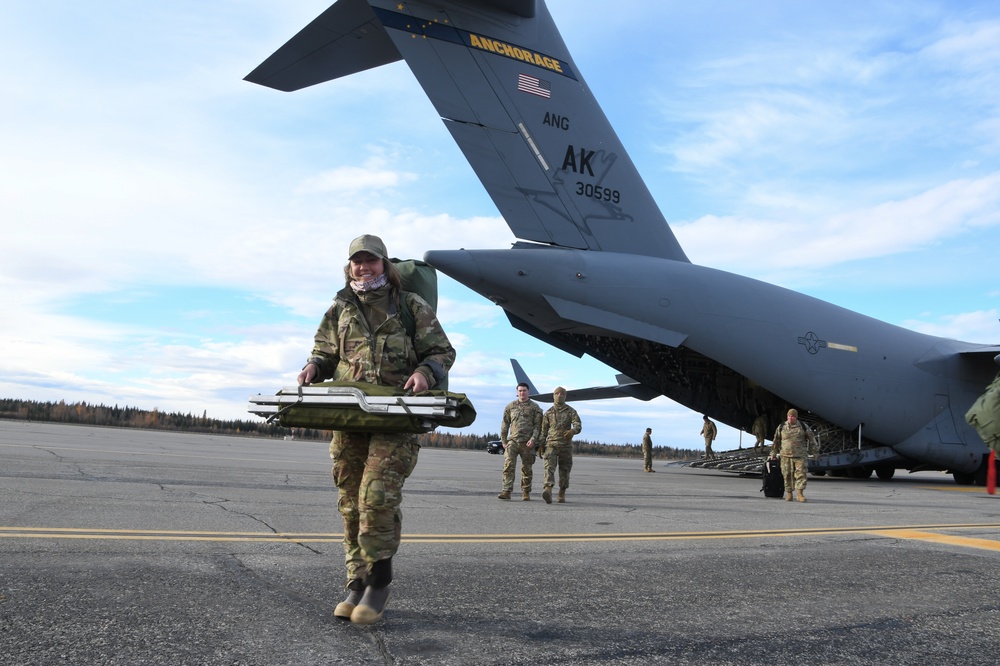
(520, 428)
(794, 442)
(759, 430)
(559, 425)
(709, 432)
(647, 451)
(363, 338)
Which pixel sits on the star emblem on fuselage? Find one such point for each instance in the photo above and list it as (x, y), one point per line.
(812, 342)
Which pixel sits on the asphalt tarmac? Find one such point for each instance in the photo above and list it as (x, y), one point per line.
(122, 546)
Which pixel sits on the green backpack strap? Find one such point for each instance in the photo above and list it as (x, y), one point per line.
(410, 326)
(406, 314)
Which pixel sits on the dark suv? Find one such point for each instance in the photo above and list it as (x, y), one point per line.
(496, 446)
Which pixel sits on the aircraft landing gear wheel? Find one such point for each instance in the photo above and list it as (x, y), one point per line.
(885, 473)
(964, 478)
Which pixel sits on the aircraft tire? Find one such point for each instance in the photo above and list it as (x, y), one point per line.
(885, 472)
(964, 478)
(859, 472)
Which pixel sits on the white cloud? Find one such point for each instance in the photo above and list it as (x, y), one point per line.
(982, 325)
(842, 236)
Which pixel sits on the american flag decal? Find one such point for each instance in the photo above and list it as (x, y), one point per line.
(533, 86)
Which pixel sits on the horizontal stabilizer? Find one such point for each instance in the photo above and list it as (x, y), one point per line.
(626, 388)
(344, 39)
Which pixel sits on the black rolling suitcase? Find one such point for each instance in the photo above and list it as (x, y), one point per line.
(773, 482)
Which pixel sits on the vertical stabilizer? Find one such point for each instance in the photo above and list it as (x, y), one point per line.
(499, 74)
(513, 99)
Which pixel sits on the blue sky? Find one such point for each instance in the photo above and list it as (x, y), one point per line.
(171, 234)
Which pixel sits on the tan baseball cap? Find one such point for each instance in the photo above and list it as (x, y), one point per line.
(367, 243)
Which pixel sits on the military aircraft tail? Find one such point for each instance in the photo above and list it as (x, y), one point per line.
(500, 76)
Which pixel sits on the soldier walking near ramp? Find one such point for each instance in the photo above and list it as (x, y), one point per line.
(759, 430)
(709, 432)
(559, 425)
(794, 442)
(647, 451)
(520, 428)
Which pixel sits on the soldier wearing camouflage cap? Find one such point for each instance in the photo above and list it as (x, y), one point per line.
(363, 338)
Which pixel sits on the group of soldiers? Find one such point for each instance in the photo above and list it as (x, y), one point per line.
(525, 431)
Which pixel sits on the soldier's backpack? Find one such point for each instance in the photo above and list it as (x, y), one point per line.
(773, 482)
(419, 278)
(984, 415)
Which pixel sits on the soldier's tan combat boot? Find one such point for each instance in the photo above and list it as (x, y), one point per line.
(788, 497)
(373, 601)
(525, 496)
(801, 497)
(562, 495)
(547, 495)
(355, 589)
(505, 494)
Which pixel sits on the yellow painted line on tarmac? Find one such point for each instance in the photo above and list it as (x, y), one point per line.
(985, 544)
(159, 535)
(682, 536)
(918, 532)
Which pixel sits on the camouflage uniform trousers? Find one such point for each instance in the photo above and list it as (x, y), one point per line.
(708, 449)
(515, 450)
(794, 470)
(561, 456)
(369, 470)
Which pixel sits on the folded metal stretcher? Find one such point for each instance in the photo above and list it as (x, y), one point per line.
(358, 407)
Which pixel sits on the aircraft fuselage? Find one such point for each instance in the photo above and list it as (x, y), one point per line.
(904, 389)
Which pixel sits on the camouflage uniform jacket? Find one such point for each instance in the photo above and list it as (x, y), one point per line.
(559, 425)
(346, 349)
(521, 421)
(709, 431)
(793, 441)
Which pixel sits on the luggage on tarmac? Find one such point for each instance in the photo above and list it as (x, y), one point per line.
(773, 483)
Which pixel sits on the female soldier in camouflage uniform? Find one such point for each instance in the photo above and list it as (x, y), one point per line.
(362, 338)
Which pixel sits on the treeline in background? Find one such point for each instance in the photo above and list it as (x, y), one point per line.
(131, 417)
